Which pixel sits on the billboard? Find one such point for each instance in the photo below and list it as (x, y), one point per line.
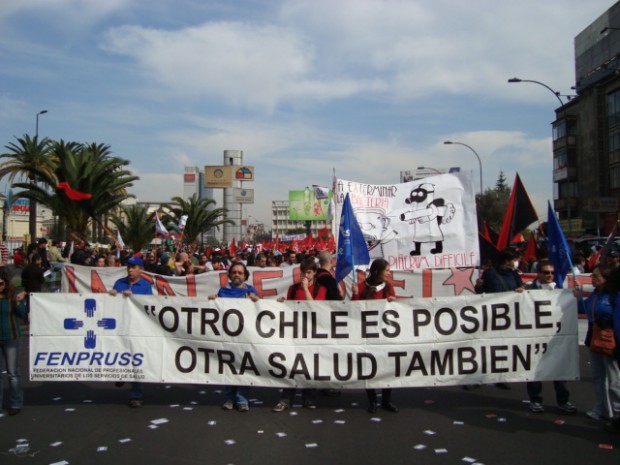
(244, 195)
(244, 173)
(218, 176)
(303, 205)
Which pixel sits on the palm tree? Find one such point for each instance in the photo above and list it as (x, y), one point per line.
(200, 219)
(28, 157)
(111, 190)
(135, 226)
(92, 172)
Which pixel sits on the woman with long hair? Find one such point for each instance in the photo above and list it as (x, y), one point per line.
(377, 286)
(13, 308)
(599, 308)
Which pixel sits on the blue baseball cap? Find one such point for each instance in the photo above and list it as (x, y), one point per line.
(136, 261)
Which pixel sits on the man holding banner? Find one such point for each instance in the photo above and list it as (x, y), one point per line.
(545, 280)
(237, 288)
(133, 283)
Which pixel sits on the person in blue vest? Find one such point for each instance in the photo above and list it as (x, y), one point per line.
(237, 288)
(131, 284)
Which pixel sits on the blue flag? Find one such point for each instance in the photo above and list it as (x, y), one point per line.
(352, 248)
(557, 247)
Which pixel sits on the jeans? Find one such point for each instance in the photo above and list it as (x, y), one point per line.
(136, 391)
(534, 391)
(237, 394)
(9, 351)
(606, 379)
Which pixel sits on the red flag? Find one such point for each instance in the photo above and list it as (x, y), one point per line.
(529, 254)
(519, 215)
(490, 234)
(232, 248)
(72, 193)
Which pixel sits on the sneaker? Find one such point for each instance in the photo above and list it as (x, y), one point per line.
(243, 407)
(280, 407)
(390, 407)
(536, 407)
(228, 405)
(135, 403)
(593, 415)
(568, 408)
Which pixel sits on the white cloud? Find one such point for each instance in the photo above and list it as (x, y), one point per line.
(76, 11)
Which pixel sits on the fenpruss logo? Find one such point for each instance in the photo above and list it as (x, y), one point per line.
(74, 324)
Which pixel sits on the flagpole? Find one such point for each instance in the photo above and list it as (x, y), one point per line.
(176, 250)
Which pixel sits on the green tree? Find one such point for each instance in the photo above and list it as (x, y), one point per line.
(86, 170)
(491, 206)
(200, 218)
(135, 226)
(27, 157)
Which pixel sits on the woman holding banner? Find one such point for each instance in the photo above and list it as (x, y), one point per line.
(599, 308)
(377, 286)
(13, 310)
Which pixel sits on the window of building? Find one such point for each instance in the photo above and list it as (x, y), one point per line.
(568, 190)
(559, 130)
(614, 176)
(613, 108)
(560, 160)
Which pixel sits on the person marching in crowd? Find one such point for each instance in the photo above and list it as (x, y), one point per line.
(600, 307)
(290, 259)
(377, 286)
(133, 283)
(33, 275)
(13, 311)
(614, 425)
(237, 288)
(325, 277)
(306, 289)
(545, 280)
(503, 278)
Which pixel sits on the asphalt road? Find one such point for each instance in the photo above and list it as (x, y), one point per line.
(90, 423)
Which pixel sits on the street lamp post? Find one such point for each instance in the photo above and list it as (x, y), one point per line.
(515, 80)
(449, 142)
(32, 223)
(36, 134)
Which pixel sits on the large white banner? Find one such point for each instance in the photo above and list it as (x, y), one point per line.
(428, 223)
(412, 342)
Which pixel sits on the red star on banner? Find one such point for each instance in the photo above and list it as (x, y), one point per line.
(461, 280)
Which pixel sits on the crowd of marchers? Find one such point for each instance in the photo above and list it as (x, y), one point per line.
(316, 282)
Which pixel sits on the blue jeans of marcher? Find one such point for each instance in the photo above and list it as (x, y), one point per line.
(606, 379)
(9, 352)
(136, 391)
(534, 391)
(237, 394)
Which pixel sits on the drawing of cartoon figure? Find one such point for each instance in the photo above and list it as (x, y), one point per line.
(426, 217)
(375, 226)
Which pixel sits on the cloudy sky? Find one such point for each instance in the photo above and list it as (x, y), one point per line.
(365, 87)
